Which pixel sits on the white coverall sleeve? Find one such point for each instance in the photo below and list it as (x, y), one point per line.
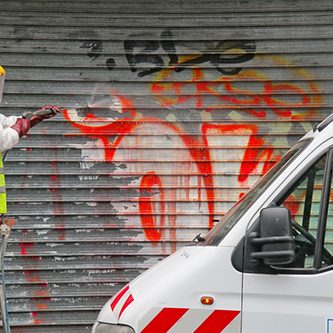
(8, 136)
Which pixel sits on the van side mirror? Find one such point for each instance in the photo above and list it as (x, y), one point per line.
(273, 242)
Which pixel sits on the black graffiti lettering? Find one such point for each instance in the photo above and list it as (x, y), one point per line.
(199, 59)
(169, 47)
(143, 56)
(110, 64)
(229, 71)
(95, 48)
(224, 55)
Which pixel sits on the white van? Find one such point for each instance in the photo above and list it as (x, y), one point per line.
(266, 267)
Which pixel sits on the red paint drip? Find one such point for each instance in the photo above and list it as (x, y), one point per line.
(148, 216)
(43, 292)
(32, 276)
(25, 246)
(43, 304)
(54, 178)
(241, 195)
(57, 199)
(35, 318)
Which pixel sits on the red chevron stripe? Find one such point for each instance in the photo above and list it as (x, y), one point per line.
(129, 300)
(118, 297)
(217, 321)
(164, 320)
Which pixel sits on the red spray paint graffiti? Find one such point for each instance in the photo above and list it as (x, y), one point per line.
(252, 155)
(126, 126)
(225, 94)
(152, 230)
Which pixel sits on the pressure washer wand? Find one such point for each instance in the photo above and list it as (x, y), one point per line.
(39, 115)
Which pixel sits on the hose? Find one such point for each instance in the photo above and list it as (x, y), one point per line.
(5, 231)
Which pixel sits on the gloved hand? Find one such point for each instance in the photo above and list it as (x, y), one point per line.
(45, 112)
(21, 126)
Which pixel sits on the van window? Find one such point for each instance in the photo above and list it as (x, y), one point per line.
(303, 202)
(310, 202)
(215, 236)
(327, 249)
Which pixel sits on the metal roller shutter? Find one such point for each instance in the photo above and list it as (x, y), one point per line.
(173, 109)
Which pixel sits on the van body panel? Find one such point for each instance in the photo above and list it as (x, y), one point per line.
(171, 292)
(300, 302)
(166, 298)
(287, 303)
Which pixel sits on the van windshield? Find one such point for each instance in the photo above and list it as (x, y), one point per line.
(215, 236)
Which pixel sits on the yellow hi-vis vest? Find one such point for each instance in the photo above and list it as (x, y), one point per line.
(3, 197)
